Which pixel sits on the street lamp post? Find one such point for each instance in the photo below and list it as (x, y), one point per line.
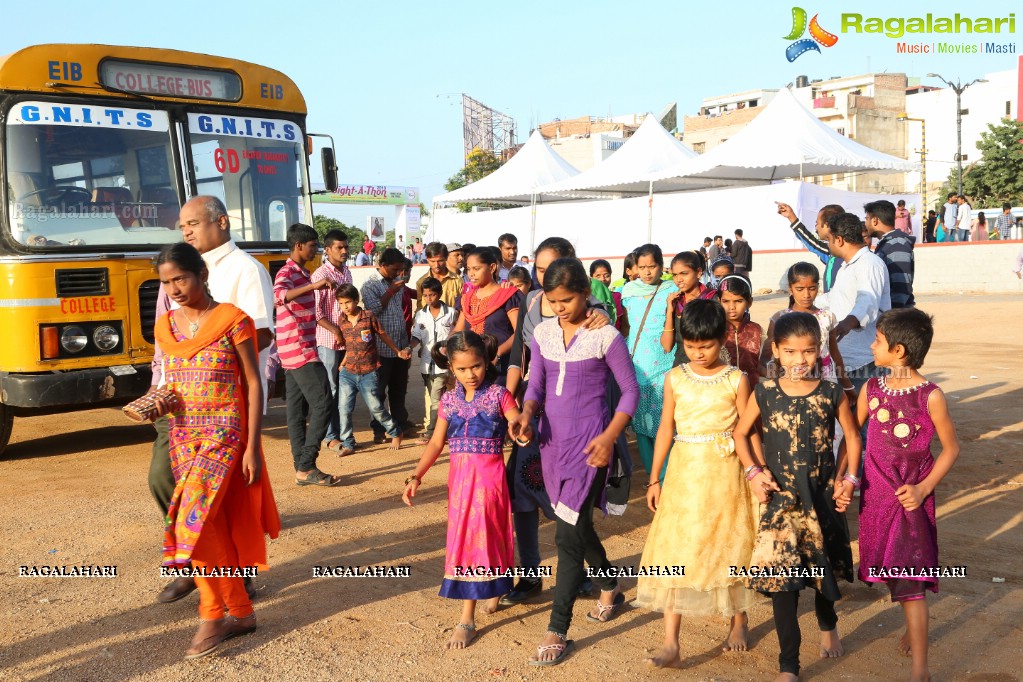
(923, 157)
(958, 89)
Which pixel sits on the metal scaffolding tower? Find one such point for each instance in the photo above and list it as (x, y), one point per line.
(486, 128)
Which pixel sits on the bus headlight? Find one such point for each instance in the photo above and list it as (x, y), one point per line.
(106, 338)
(73, 339)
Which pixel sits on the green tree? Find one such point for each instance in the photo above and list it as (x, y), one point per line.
(323, 224)
(479, 163)
(996, 177)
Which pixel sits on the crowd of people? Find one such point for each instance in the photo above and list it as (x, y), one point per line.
(753, 445)
(956, 222)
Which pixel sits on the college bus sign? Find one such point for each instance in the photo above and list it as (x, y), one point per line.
(927, 34)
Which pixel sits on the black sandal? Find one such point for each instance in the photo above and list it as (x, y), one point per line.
(317, 477)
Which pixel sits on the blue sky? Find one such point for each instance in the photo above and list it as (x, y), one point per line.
(384, 78)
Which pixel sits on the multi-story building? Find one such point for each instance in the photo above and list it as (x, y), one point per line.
(863, 108)
(983, 104)
(586, 141)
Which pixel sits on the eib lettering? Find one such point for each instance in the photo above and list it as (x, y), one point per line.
(271, 91)
(64, 71)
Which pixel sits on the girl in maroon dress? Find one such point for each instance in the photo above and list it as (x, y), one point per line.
(898, 536)
(742, 343)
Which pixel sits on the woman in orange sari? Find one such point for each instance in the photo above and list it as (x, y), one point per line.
(222, 505)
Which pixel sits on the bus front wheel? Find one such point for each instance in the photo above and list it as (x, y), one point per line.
(6, 426)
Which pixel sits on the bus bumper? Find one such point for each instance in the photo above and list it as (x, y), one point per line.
(75, 388)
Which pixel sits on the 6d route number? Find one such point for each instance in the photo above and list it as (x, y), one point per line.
(229, 161)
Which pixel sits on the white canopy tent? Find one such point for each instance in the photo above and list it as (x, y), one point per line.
(516, 182)
(627, 171)
(785, 141)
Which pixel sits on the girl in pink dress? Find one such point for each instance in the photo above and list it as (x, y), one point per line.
(898, 536)
(472, 420)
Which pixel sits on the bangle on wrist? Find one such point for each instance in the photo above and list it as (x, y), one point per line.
(415, 478)
(650, 485)
(754, 471)
(852, 479)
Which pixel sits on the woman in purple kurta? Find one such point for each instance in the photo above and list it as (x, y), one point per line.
(570, 367)
(569, 383)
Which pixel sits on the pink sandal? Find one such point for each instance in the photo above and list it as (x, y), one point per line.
(562, 649)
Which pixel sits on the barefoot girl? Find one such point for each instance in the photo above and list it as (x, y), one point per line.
(742, 343)
(222, 505)
(703, 512)
(802, 539)
(897, 527)
(472, 420)
(570, 367)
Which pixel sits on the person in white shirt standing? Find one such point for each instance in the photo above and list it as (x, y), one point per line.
(234, 277)
(862, 291)
(964, 219)
(432, 325)
(329, 340)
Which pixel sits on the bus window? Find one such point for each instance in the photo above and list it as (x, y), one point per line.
(256, 166)
(77, 176)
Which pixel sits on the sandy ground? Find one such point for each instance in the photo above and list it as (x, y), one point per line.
(74, 491)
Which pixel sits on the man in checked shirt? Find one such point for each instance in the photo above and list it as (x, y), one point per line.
(382, 295)
(329, 342)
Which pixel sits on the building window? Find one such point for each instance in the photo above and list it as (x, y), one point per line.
(699, 147)
(1008, 109)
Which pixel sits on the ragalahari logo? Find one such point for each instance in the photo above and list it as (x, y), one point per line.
(804, 45)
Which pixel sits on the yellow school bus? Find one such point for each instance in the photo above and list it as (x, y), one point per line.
(100, 147)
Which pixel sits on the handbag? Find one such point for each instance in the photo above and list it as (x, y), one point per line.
(145, 409)
(642, 322)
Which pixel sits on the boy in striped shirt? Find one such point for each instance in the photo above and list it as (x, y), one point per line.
(307, 387)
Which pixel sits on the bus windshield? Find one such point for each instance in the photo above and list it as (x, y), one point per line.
(256, 167)
(90, 175)
(104, 175)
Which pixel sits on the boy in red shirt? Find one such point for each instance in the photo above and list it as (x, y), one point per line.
(357, 373)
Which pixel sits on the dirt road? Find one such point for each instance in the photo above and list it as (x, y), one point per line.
(74, 492)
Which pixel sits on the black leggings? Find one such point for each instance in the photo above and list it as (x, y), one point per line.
(576, 543)
(786, 622)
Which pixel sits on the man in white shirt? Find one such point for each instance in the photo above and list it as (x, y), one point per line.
(964, 219)
(860, 294)
(234, 277)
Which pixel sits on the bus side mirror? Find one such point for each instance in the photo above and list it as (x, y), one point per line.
(329, 168)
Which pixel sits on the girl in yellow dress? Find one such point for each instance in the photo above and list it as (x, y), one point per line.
(704, 517)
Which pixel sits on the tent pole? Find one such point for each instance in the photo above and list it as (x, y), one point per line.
(650, 214)
(532, 223)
